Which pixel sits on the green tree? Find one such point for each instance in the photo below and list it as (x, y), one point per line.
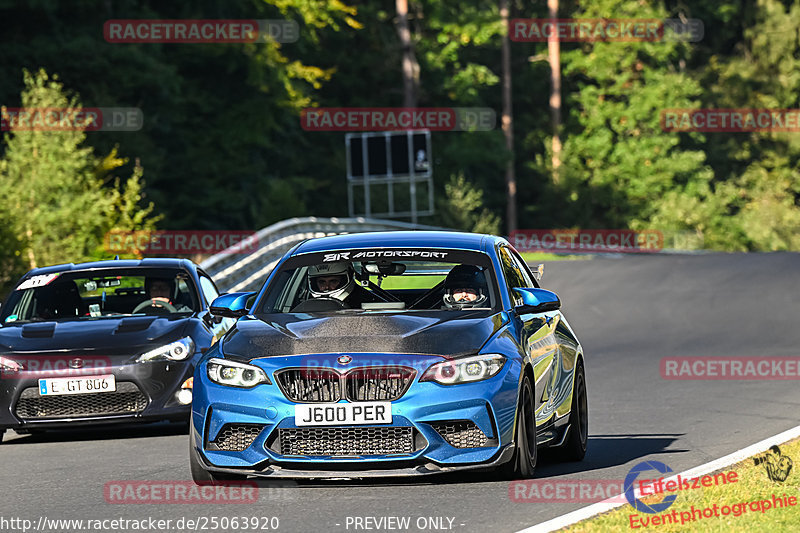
(220, 118)
(757, 184)
(223, 118)
(12, 265)
(618, 164)
(462, 208)
(53, 185)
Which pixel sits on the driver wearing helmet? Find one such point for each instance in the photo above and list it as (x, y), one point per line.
(162, 290)
(465, 287)
(336, 280)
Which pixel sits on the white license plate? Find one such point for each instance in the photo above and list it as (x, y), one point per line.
(331, 414)
(81, 385)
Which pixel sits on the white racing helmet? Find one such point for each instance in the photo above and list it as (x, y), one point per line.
(345, 287)
(465, 277)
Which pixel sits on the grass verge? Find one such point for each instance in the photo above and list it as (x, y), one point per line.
(539, 257)
(752, 487)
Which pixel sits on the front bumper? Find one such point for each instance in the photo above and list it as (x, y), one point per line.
(345, 470)
(146, 392)
(443, 428)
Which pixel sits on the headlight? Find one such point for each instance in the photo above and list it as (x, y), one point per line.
(9, 365)
(465, 370)
(235, 374)
(174, 351)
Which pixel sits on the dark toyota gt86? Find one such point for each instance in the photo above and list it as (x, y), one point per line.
(398, 353)
(109, 341)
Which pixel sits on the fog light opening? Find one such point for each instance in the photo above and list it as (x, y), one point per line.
(184, 396)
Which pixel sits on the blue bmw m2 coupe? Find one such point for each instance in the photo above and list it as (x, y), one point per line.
(390, 354)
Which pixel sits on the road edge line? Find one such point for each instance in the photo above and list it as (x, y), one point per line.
(612, 503)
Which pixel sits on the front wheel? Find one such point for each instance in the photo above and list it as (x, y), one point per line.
(201, 476)
(523, 463)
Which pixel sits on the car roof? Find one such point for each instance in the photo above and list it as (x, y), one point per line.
(398, 239)
(115, 263)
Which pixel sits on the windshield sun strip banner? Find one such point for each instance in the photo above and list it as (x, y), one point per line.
(444, 255)
(37, 281)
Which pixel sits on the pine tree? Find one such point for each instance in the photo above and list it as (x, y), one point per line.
(619, 168)
(463, 208)
(758, 182)
(52, 185)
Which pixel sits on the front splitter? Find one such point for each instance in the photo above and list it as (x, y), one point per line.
(279, 472)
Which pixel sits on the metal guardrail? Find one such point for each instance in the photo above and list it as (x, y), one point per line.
(233, 272)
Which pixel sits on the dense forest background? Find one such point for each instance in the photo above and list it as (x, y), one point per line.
(222, 146)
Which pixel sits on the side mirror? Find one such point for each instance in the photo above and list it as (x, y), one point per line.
(537, 300)
(211, 320)
(232, 305)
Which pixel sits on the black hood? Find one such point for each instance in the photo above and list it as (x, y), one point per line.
(446, 333)
(108, 336)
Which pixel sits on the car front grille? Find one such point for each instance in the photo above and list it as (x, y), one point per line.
(343, 442)
(377, 384)
(461, 434)
(316, 385)
(127, 399)
(236, 437)
(310, 384)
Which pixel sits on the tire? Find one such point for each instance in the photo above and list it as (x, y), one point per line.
(523, 463)
(574, 448)
(201, 476)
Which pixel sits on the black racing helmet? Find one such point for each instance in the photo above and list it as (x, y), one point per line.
(465, 277)
(148, 282)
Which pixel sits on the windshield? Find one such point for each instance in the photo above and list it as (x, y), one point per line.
(96, 294)
(382, 281)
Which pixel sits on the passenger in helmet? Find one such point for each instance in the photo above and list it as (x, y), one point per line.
(337, 280)
(465, 287)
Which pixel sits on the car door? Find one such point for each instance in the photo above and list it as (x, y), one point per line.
(537, 336)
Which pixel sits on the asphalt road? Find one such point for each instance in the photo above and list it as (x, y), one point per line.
(629, 312)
